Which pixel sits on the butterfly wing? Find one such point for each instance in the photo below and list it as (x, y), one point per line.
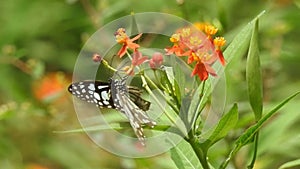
(135, 96)
(96, 92)
(136, 116)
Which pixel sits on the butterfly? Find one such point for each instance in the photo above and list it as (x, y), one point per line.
(117, 95)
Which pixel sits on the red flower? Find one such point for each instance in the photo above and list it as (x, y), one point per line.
(202, 70)
(219, 42)
(122, 38)
(137, 60)
(156, 60)
(200, 47)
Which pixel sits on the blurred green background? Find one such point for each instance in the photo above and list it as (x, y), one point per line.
(40, 41)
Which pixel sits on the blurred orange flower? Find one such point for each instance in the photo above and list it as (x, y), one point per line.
(50, 87)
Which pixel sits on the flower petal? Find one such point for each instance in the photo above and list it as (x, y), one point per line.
(200, 70)
(122, 51)
(221, 57)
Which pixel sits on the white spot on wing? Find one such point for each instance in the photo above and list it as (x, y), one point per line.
(104, 95)
(92, 87)
(97, 96)
(101, 87)
(106, 102)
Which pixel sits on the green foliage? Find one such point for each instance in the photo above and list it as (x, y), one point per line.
(184, 157)
(226, 124)
(290, 164)
(42, 39)
(253, 75)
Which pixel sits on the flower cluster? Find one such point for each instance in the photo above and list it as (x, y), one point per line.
(199, 45)
(137, 57)
(202, 50)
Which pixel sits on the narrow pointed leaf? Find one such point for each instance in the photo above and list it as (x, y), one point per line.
(198, 102)
(227, 122)
(249, 133)
(253, 75)
(290, 164)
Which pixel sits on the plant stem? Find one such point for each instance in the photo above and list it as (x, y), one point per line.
(230, 156)
(105, 63)
(202, 156)
(156, 87)
(251, 165)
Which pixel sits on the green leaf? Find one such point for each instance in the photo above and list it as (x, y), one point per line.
(111, 126)
(179, 77)
(226, 123)
(198, 102)
(240, 43)
(184, 157)
(249, 133)
(253, 75)
(167, 78)
(290, 164)
(236, 49)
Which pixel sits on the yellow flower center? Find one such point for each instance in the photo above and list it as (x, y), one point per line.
(175, 38)
(186, 32)
(210, 30)
(121, 35)
(219, 41)
(195, 40)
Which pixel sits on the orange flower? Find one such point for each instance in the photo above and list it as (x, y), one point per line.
(200, 48)
(122, 38)
(50, 87)
(219, 42)
(202, 70)
(175, 49)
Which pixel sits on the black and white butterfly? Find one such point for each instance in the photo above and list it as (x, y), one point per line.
(116, 95)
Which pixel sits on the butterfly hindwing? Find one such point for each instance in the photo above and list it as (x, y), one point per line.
(136, 116)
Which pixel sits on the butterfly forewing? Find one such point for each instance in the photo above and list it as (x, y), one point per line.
(96, 92)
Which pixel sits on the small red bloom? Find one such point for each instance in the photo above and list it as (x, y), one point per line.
(156, 60)
(202, 70)
(137, 59)
(122, 38)
(219, 42)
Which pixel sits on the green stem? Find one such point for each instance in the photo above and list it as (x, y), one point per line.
(202, 155)
(251, 165)
(230, 156)
(145, 85)
(105, 63)
(167, 100)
